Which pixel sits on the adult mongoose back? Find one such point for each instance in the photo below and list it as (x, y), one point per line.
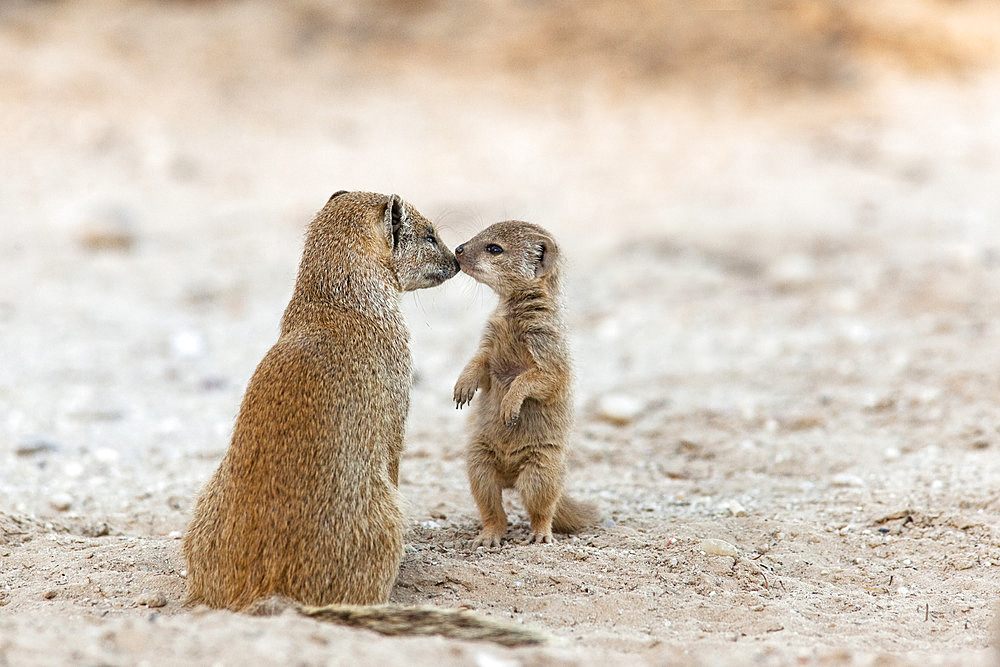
(523, 416)
(304, 503)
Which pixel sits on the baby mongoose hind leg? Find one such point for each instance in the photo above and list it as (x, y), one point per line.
(540, 486)
(488, 494)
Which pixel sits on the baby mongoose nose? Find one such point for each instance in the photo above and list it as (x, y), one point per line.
(460, 249)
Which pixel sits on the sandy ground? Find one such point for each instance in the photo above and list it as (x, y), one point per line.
(783, 288)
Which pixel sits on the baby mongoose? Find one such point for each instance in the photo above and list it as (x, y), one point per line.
(522, 371)
(304, 505)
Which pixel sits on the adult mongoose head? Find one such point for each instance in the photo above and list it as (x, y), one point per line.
(361, 250)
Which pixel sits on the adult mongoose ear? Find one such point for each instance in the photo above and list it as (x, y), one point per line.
(336, 194)
(394, 219)
(546, 253)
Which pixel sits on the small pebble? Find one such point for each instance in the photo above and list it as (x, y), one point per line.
(735, 508)
(717, 547)
(49, 594)
(110, 229)
(152, 600)
(187, 344)
(618, 409)
(106, 455)
(489, 660)
(846, 479)
(99, 529)
(36, 446)
(61, 501)
(794, 270)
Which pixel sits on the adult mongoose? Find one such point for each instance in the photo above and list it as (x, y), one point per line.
(304, 503)
(522, 370)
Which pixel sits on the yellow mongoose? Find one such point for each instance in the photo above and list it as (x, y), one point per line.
(522, 370)
(304, 505)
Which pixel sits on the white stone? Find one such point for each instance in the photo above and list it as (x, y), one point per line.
(794, 270)
(61, 501)
(735, 508)
(717, 547)
(846, 479)
(618, 409)
(187, 344)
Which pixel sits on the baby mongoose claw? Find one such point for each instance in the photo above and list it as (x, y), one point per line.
(539, 538)
(464, 394)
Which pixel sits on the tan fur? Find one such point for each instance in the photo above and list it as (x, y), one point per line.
(304, 504)
(522, 370)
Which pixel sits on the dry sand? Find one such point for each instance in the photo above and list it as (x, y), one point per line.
(784, 269)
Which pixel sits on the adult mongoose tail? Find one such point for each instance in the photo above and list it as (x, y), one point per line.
(389, 619)
(400, 620)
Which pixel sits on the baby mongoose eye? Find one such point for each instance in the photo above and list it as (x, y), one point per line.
(430, 239)
(494, 249)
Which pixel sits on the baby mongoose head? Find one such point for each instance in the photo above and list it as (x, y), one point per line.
(510, 256)
(379, 230)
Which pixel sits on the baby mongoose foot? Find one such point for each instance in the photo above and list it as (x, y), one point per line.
(487, 540)
(539, 538)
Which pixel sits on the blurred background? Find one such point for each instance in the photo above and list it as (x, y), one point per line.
(722, 174)
(663, 115)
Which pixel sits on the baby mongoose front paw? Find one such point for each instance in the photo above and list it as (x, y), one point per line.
(464, 391)
(488, 540)
(510, 413)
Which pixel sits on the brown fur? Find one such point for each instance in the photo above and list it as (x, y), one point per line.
(304, 504)
(522, 369)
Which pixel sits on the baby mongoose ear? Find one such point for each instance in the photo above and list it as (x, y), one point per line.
(336, 194)
(394, 219)
(546, 253)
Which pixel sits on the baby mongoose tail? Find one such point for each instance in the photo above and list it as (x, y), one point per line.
(572, 516)
(396, 620)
